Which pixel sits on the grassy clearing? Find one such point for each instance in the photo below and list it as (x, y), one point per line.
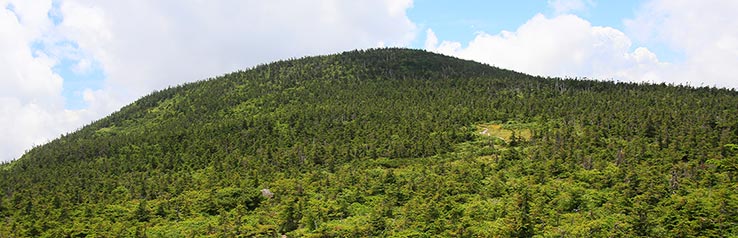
(505, 131)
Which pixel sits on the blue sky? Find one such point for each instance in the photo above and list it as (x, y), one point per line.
(65, 63)
(460, 22)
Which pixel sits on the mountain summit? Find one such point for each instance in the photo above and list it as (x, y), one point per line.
(388, 142)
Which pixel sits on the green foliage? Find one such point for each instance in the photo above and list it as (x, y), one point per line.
(387, 142)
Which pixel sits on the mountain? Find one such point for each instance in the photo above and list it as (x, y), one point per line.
(388, 142)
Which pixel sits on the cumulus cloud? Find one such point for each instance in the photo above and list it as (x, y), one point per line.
(145, 45)
(142, 46)
(31, 106)
(29, 124)
(24, 75)
(704, 32)
(565, 46)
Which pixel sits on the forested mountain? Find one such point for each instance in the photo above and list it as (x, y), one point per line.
(388, 142)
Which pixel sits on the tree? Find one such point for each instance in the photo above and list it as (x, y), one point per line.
(142, 213)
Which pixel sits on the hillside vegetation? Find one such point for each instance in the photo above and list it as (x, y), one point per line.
(388, 142)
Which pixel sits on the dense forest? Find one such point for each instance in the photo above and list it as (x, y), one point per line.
(388, 142)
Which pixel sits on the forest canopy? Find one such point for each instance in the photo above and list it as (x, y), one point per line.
(389, 142)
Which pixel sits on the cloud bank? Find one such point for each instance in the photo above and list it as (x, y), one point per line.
(31, 105)
(706, 33)
(566, 45)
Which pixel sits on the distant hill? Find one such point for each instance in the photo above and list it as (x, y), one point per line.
(388, 142)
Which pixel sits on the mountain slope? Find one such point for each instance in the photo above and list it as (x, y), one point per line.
(389, 142)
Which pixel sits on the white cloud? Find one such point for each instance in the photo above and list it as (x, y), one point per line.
(143, 45)
(24, 76)
(431, 40)
(30, 124)
(569, 6)
(31, 106)
(565, 46)
(704, 32)
(146, 45)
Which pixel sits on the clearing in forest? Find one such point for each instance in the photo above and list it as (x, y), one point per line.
(505, 131)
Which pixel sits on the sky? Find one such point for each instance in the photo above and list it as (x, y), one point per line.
(66, 63)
